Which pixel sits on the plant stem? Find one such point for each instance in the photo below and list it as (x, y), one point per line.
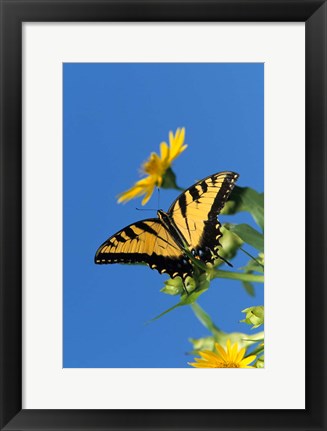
(256, 352)
(218, 273)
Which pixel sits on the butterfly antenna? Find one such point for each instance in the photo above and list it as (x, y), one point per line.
(158, 188)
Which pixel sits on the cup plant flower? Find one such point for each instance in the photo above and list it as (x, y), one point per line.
(158, 169)
(231, 357)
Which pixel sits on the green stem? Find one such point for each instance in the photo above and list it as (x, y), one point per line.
(218, 273)
(256, 352)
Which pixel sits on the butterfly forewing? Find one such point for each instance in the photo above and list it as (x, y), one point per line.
(145, 241)
(195, 213)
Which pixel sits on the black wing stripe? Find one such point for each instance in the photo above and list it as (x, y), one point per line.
(194, 192)
(130, 233)
(221, 198)
(120, 238)
(204, 186)
(145, 227)
(182, 204)
(226, 185)
(213, 179)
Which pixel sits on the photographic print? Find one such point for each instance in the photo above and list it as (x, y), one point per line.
(163, 215)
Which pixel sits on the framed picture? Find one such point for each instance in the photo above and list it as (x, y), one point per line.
(215, 105)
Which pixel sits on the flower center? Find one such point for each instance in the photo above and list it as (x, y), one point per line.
(229, 365)
(153, 166)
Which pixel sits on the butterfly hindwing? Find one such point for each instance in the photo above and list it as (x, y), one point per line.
(195, 213)
(145, 241)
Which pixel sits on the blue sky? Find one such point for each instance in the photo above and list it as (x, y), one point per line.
(115, 115)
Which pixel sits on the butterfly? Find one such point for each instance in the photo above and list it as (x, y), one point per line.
(190, 224)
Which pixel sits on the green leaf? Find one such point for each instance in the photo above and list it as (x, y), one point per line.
(164, 312)
(188, 299)
(201, 285)
(249, 288)
(169, 180)
(246, 199)
(218, 273)
(248, 235)
(256, 265)
(204, 318)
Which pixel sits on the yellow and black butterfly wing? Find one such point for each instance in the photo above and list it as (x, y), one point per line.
(195, 213)
(145, 241)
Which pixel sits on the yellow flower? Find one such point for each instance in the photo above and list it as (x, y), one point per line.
(156, 167)
(230, 358)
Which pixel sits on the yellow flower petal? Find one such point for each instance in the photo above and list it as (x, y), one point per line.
(130, 194)
(228, 347)
(221, 351)
(164, 151)
(179, 137)
(172, 137)
(176, 143)
(148, 195)
(208, 355)
(233, 352)
(240, 355)
(140, 187)
(248, 360)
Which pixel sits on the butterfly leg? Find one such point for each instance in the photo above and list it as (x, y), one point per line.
(184, 287)
(226, 261)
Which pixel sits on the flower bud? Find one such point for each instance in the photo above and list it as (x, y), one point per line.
(254, 316)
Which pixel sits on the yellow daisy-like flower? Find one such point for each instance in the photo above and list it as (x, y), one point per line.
(156, 167)
(230, 358)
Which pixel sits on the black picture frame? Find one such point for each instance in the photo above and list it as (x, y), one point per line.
(13, 14)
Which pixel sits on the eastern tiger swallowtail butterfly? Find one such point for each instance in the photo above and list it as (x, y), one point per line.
(191, 223)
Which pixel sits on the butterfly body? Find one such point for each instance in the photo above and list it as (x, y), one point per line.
(189, 226)
(170, 225)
